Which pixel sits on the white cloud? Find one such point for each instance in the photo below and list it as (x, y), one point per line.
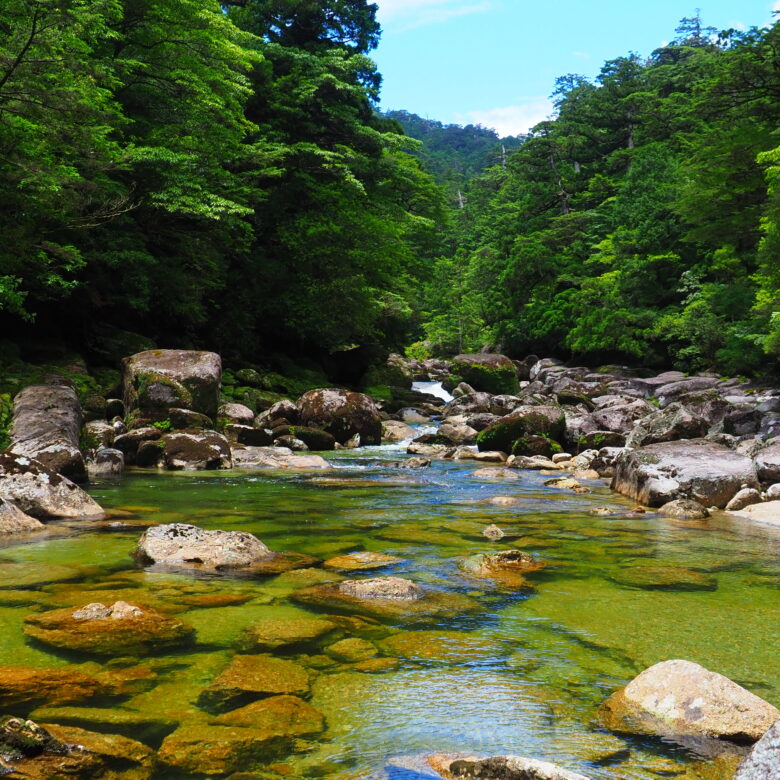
(583, 55)
(407, 14)
(511, 120)
(741, 26)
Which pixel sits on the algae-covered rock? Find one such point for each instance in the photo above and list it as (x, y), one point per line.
(250, 677)
(158, 380)
(451, 647)
(314, 438)
(25, 687)
(547, 421)
(20, 738)
(361, 561)
(662, 578)
(272, 633)
(352, 650)
(341, 413)
(118, 630)
(406, 601)
(196, 451)
(488, 373)
(506, 567)
(277, 717)
(677, 699)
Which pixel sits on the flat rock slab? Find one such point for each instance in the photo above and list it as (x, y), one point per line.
(280, 458)
(136, 631)
(23, 575)
(679, 699)
(662, 578)
(43, 493)
(697, 469)
(276, 717)
(446, 647)
(25, 687)
(362, 561)
(250, 677)
(768, 512)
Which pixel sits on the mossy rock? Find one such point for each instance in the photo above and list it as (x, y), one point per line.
(546, 421)
(274, 633)
(663, 578)
(487, 373)
(536, 445)
(448, 647)
(278, 716)
(314, 438)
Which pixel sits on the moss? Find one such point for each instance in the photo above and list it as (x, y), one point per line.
(499, 380)
(503, 434)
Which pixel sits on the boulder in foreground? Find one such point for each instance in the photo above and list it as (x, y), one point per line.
(499, 768)
(679, 699)
(763, 763)
(697, 469)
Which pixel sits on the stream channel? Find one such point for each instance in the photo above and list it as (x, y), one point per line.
(522, 673)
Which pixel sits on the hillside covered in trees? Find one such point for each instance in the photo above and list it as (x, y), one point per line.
(204, 174)
(642, 224)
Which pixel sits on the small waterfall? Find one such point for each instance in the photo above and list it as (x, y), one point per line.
(433, 388)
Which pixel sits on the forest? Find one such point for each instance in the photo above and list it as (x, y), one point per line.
(219, 175)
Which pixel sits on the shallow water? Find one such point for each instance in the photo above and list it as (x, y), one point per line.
(522, 673)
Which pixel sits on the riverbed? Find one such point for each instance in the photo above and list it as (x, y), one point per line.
(523, 672)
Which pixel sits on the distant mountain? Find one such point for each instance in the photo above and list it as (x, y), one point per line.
(455, 153)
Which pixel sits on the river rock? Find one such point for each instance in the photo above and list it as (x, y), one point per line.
(46, 426)
(13, 521)
(507, 567)
(249, 435)
(699, 469)
(278, 717)
(250, 677)
(684, 509)
(456, 434)
(107, 462)
(182, 545)
(548, 421)
(99, 433)
(744, 498)
(763, 761)
(130, 442)
(494, 374)
(766, 512)
(394, 431)
(362, 561)
(191, 451)
(469, 405)
(395, 588)
(156, 381)
(115, 630)
(24, 687)
(235, 413)
(276, 458)
(677, 699)
(42, 493)
(674, 422)
(341, 413)
(273, 633)
(676, 578)
(499, 768)
(20, 738)
(768, 462)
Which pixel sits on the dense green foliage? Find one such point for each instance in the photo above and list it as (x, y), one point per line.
(205, 173)
(641, 224)
(454, 153)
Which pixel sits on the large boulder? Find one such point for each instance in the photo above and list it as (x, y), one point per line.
(680, 699)
(42, 493)
(181, 545)
(699, 469)
(162, 379)
(763, 763)
(495, 374)
(768, 463)
(341, 413)
(281, 458)
(196, 451)
(46, 426)
(13, 521)
(499, 768)
(621, 417)
(547, 421)
(674, 422)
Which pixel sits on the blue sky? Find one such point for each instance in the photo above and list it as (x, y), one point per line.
(494, 62)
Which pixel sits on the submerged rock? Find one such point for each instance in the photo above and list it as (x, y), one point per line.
(121, 629)
(42, 493)
(506, 567)
(499, 768)
(273, 633)
(662, 578)
(352, 650)
(250, 677)
(362, 561)
(678, 699)
(46, 426)
(450, 647)
(277, 717)
(25, 687)
(182, 545)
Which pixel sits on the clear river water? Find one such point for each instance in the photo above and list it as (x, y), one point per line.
(523, 673)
